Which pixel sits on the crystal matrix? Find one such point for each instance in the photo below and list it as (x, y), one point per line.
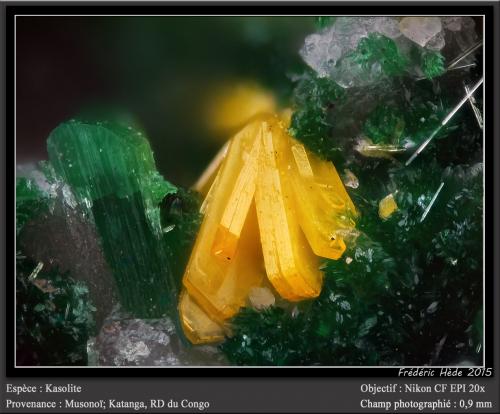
(112, 173)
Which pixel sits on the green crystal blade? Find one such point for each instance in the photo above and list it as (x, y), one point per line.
(112, 172)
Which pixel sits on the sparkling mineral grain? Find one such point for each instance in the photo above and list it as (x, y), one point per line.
(387, 206)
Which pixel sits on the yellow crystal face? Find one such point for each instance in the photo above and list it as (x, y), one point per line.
(387, 206)
(291, 266)
(221, 287)
(273, 208)
(237, 206)
(324, 208)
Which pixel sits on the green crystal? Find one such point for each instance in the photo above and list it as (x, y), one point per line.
(102, 159)
(384, 125)
(377, 48)
(432, 64)
(112, 173)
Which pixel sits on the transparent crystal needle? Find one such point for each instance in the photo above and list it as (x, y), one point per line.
(477, 112)
(432, 202)
(463, 55)
(444, 121)
(468, 65)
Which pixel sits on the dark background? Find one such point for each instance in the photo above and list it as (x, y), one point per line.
(159, 71)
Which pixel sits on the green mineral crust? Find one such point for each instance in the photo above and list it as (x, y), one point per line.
(314, 99)
(376, 58)
(385, 125)
(54, 317)
(111, 170)
(380, 50)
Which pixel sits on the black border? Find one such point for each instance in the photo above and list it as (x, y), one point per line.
(246, 8)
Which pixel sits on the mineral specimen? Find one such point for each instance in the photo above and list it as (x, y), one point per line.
(216, 282)
(376, 57)
(54, 312)
(384, 125)
(276, 218)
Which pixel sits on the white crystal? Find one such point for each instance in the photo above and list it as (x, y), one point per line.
(467, 35)
(261, 298)
(420, 29)
(452, 23)
(350, 179)
(437, 42)
(349, 73)
(321, 51)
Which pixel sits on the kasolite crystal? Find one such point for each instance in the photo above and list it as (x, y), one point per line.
(324, 208)
(220, 285)
(387, 206)
(197, 325)
(290, 264)
(273, 209)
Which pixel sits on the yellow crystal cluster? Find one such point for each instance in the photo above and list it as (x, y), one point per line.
(272, 210)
